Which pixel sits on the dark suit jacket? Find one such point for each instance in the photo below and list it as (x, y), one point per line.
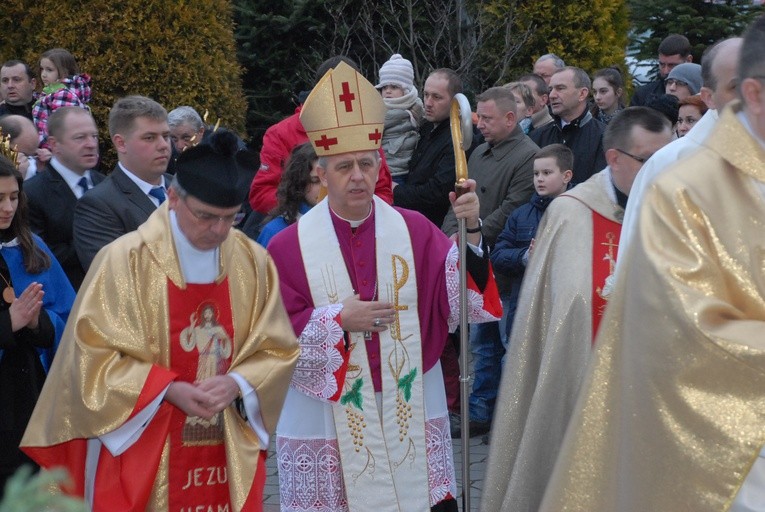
(51, 214)
(115, 207)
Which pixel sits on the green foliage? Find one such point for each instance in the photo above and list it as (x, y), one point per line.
(25, 492)
(701, 21)
(488, 42)
(354, 395)
(405, 384)
(590, 34)
(178, 53)
(274, 42)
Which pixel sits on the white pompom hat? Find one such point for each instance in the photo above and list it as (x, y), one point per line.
(397, 71)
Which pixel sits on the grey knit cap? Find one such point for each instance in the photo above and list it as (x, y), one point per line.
(397, 71)
(688, 73)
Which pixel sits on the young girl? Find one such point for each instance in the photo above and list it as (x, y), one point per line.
(64, 86)
(608, 90)
(402, 119)
(524, 104)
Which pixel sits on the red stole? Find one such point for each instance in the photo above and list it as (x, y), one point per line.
(201, 334)
(605, 244)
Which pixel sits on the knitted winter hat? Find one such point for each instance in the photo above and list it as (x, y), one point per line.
(688, 73)
(397, 71)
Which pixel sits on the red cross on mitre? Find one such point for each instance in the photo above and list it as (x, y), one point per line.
(347, 97)
(325, 142)
(375, 136)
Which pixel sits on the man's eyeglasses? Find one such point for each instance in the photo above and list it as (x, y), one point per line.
(636, 158)
(675, 82)
(208, 218)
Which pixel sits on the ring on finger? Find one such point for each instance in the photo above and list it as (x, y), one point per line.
(376, 323)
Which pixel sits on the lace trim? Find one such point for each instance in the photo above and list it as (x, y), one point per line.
(441, 479)
(311, 478)
(476, 312)
(319, 357)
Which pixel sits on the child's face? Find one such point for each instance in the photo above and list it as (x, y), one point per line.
(549, 179)
(605, 96)
(48, 72)
(520, 106)
(391, 91)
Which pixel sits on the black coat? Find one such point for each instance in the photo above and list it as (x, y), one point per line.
(51, 216)
(431, 174)
(643, 95)
(584, 136)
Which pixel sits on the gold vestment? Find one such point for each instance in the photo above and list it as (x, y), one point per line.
(672, 413)
(118, 330)
(550, 345)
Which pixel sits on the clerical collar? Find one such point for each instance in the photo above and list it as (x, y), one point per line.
(354, 223)
(197, 266)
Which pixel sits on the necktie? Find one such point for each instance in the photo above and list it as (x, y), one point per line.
(158, 193)
(83, 184)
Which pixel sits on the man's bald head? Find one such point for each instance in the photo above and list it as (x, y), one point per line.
(719, 72)
(22, 132)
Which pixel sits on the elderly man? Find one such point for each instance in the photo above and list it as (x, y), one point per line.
(138, 184)
(17, 88)
(564, 292)
(53, 194)
(176, 358)
(186, 128)
(573, 124)
(370, 290)
(547, 65)
(671, 415)
(503, 169)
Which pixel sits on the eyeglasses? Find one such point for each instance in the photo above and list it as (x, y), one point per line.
(636, 158)
(209, 218)
(675, 82)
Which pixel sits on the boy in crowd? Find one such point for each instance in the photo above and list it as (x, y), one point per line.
(553, 166)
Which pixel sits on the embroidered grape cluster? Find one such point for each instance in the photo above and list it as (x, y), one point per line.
(403, 413)
(356, 425)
